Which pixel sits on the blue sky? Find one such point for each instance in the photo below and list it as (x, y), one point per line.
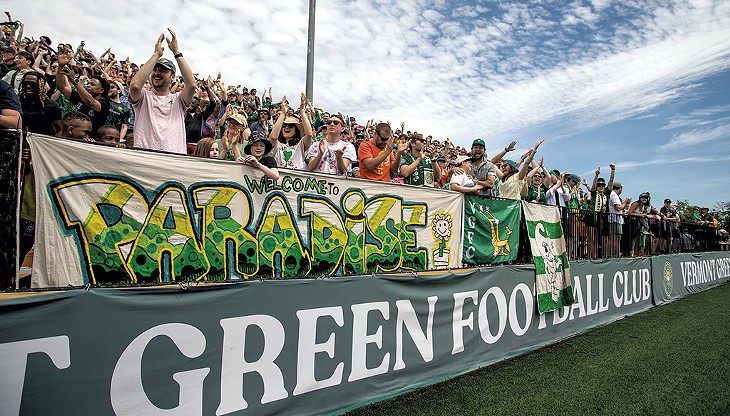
(642, 84)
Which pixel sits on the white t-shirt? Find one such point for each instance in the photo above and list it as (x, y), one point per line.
(13, 78)
(295, 155)
(328, 163)
(159, 122)
(462, 179)
(613, 201)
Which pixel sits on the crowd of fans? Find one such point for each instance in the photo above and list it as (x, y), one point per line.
(162, 105)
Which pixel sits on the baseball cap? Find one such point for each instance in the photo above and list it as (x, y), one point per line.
(461, 159)
(478, 142)
(668, 200)
(167, 64)
(238, 119)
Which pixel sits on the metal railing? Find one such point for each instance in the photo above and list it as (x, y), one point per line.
(594, 235)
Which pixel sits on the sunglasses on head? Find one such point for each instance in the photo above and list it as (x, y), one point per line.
(335, 122)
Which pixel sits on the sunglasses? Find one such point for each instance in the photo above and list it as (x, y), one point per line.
(335, 122)
(288, 126)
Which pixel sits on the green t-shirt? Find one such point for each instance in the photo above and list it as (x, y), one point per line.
(532, 194)
(118, 114)
(423, 174)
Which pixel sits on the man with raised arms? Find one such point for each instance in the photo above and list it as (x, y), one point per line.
(160, 114)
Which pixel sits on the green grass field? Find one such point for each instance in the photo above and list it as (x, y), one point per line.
(670, 360)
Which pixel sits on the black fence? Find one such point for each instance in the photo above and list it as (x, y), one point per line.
(592, 235)
(9, 190)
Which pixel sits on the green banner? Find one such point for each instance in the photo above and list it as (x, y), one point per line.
(491, 230)
(304, 346)
(679, 275)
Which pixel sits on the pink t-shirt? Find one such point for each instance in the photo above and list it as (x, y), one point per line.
(159, 122)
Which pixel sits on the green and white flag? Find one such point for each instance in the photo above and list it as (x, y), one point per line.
(552, 271)
(491, 230)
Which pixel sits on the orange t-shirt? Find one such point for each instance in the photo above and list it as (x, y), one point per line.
(367, 150)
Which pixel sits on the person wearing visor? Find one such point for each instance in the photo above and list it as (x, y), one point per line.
(159, 113)
(464, 182)
(291, 138)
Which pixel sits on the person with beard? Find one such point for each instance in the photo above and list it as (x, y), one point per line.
(90, 99)
(483, 170)
(291, 138)
(376, 159)
(159, 113)
(119, 111)
(419, 167)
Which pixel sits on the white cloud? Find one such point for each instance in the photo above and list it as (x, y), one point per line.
(695, 137)
(506, 70)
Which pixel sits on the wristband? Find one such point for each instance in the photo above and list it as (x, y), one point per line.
(178, 55)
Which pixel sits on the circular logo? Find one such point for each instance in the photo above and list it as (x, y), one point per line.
(667, 282)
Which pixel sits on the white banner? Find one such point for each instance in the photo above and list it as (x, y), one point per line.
(121, 216)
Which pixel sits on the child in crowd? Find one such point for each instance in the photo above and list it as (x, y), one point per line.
(256, 150)
(463, 181)
(207, 147)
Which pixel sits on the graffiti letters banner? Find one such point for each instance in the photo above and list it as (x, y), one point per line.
(552, 270)
(491, 230)
(121, 216)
